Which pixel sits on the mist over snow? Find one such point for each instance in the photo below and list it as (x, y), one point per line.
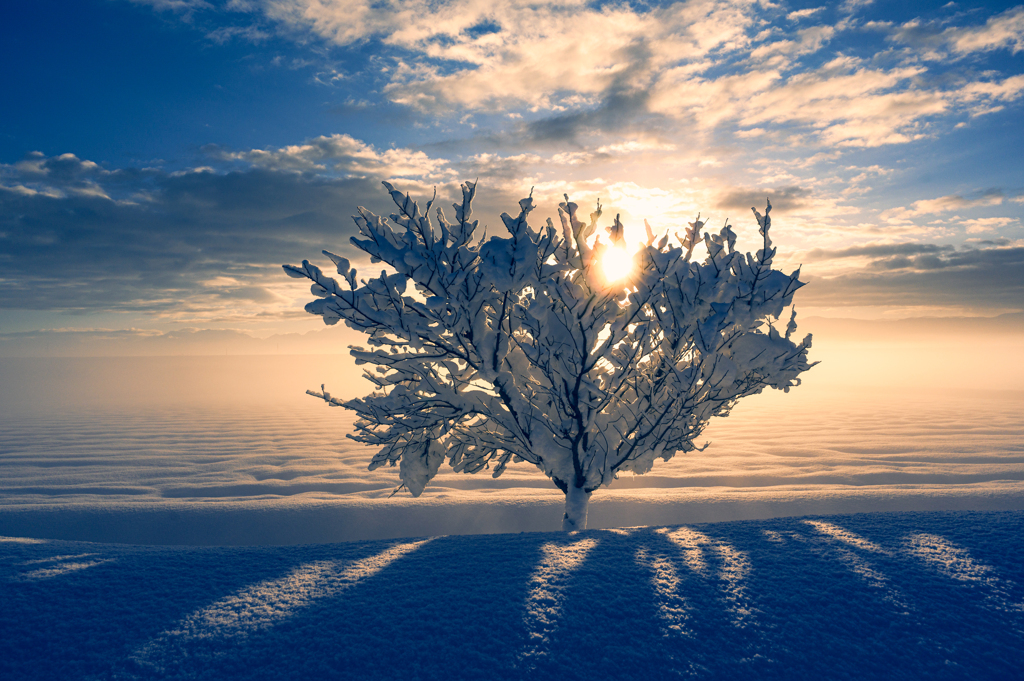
(230, 450)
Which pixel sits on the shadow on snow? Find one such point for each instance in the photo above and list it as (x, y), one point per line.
(868, 596)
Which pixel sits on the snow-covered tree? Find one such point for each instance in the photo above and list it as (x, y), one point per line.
(525, 348)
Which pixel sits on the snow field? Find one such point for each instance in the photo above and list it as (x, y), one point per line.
(283, 472)
(866, 596)
(286, 450)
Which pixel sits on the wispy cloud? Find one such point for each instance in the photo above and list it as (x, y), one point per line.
(943, 204)
(990, 276)
(701, 63)
(175, 5)
(804, 13)
(341, 154)
(660, 110)
(1002, 31)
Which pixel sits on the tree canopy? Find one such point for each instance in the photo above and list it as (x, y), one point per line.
(526, 348)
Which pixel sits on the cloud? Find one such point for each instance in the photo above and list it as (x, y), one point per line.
(984, 278)
(935, 40)
(845, 102)
(807, 41)
(133, 342)
(252, 34)
(619, 112)
(578, 73)
(342, 154)
(179, 6)
(803, 13)
(203, 247)
(559, 56)
(943, 204)
(192, 247)
(1004, 30)
(850, 6)
(983, 94)
(783, 198)
(981, 225)
(878, 251)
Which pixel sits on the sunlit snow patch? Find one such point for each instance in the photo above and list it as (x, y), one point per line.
(59, 565)
(956, 562)
(733, 567)
(845, 536)
(22, 540)
(857, 563)
(672, 606)
(546, 598)
(266, 604)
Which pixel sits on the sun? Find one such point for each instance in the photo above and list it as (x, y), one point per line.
(616, 263)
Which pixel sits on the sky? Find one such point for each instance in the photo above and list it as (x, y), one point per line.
(160, 159)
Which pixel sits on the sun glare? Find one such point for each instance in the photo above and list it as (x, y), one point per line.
(616, 263)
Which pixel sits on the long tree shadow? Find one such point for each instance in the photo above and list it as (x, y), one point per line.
(701, 583)
(878, 609)
(877, 596)
(441, 609)
(72, 607)
(605, 618)
(214, 632)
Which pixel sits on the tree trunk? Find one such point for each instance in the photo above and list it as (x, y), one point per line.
(576, 502)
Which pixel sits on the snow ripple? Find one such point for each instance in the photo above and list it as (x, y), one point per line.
(151, 455)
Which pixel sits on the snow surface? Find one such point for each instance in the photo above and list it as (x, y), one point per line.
(870, 596)
(210, 454)
(282, 472)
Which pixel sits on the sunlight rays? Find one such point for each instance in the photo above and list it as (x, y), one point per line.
(956, 563)
(838, 539)
(63, 565)
(672, 606)
(547, 599)
(263, 605)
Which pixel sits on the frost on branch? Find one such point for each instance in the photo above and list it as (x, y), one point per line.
(518, 349)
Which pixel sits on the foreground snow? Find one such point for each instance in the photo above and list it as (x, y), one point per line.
(883, 595)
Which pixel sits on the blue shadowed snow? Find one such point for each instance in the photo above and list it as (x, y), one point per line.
(914, 595)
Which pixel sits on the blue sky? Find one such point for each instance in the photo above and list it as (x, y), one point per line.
(160, 159)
